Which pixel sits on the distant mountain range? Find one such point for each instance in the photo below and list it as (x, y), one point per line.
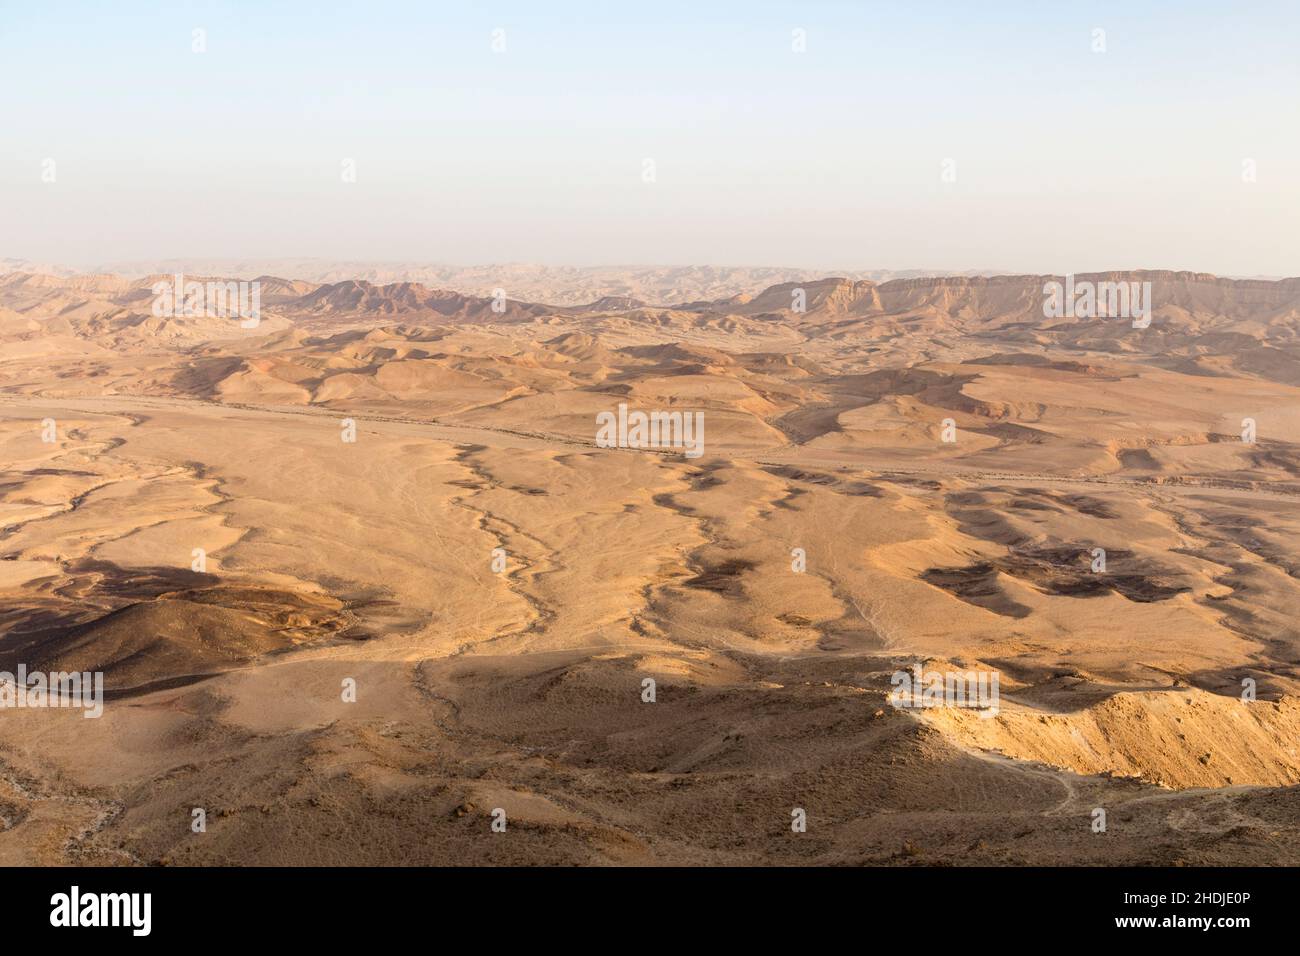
(558, 285)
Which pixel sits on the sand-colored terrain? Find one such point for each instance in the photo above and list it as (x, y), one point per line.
(497, 586)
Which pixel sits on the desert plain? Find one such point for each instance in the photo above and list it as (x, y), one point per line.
(360, 576)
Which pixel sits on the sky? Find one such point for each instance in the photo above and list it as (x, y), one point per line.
(909, 135)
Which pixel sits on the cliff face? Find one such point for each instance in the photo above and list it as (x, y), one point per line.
(836, 296)
(1021, 297)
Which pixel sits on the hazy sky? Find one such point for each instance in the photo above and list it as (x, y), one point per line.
(1065, 159)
